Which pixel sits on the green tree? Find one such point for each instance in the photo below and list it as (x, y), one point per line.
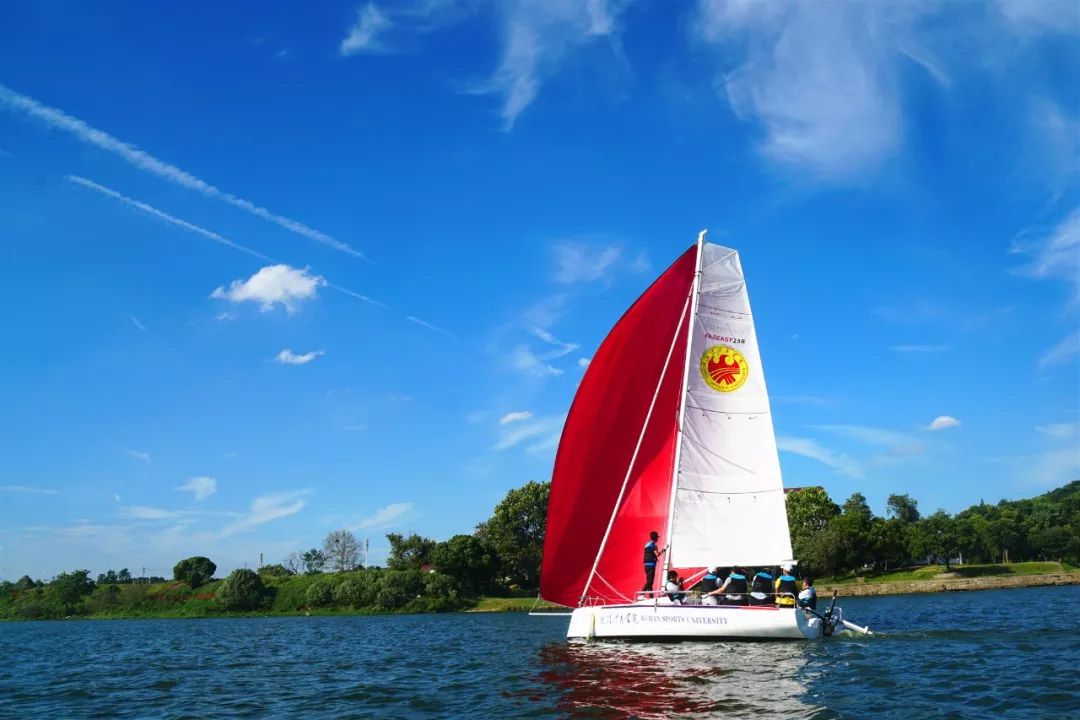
(515, 533)
(466, 559)
(242, 590)
(940, 535)
(409, 552)
(25, 583)
(809, 512)
(342, 551)
(314, 560)
(194, 570)
(273, 571)
(68, 588)
(902, 507)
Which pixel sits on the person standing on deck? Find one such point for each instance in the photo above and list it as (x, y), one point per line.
(652, 556)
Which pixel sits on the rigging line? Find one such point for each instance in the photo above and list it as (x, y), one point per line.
(637, 447)
(716, 262)
(614, 589)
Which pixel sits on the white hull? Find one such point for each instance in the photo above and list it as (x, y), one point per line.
(693, 622)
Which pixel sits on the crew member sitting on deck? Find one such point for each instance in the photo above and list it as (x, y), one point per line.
(761, 588)
(808, 596)
(786, 589)
(673, 587)
(708, 585)
(734, 589)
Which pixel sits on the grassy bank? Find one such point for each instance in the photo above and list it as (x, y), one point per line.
(934, 578)
(930, 572)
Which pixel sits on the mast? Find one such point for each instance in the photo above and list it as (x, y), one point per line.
(695, 290)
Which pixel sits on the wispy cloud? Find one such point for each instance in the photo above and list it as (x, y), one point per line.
(28, 490)
(537, 434)
(273, 285)
(59, 120)
(429, 326)
(365, 35)
(224, 317)
(897, 442)
(138, 454)
(526, 361)
(267, 508)
(201, 487)
(584, 362)
(943, 422)
(384, 517)
(577, 262)
(136, 323)
(515, 417)
(806, 447)
(1067, 349)
(160, 215)
(140, 512)
(819, 78)
(560, 348)
(1061, 431)
(288, 357)
(537, 36)
(920, 348)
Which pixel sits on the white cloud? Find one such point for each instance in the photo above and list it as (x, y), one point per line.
(1068, 348)
(363, 36)
(899, 443)
(1033, 16)
(138, 454)
(202, 487)
(805, 447)
(28, 490)
(515, 417)
(136, 323)
(561, 348)
(224, 317)
(429, 326)
(819, 78)
(541, 433)
(1053, 467)
(943, 422)
(164, 216)
(288, 357)
(524, 360)
(59, 120)
(139, 512)
(536, 37)
(1061, 431)
(577, 262)
(584, 362)
(267, 508)
(273, 285)
(1057, 255)
(920, 348)
(384, 517)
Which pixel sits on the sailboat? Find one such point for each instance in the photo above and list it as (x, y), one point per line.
(670, 431)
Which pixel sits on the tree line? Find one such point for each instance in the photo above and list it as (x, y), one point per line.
(830, 539)
(421, 575)
(502, 556)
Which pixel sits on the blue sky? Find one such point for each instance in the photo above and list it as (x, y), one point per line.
(273, 271)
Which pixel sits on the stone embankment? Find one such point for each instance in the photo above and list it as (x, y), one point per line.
(948, 583)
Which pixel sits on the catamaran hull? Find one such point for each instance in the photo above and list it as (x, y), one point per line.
(693, 622)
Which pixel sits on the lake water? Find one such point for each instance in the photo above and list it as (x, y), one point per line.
(991, 654)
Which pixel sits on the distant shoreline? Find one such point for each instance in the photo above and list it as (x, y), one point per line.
(947, 584)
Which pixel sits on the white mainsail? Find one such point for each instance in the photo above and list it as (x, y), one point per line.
(728, 505)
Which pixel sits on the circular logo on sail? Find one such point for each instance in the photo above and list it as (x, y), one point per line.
(723, 368)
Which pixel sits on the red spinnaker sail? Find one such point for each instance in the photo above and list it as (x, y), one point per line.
(598, 441)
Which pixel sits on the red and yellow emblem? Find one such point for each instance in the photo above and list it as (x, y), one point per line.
(723, 368)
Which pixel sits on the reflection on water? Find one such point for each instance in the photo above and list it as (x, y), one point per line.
(689, 679)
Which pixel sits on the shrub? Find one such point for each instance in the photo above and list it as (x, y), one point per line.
(268, 572)
(242, 590)
(320, 594)
(358, 589)
(194, 570)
